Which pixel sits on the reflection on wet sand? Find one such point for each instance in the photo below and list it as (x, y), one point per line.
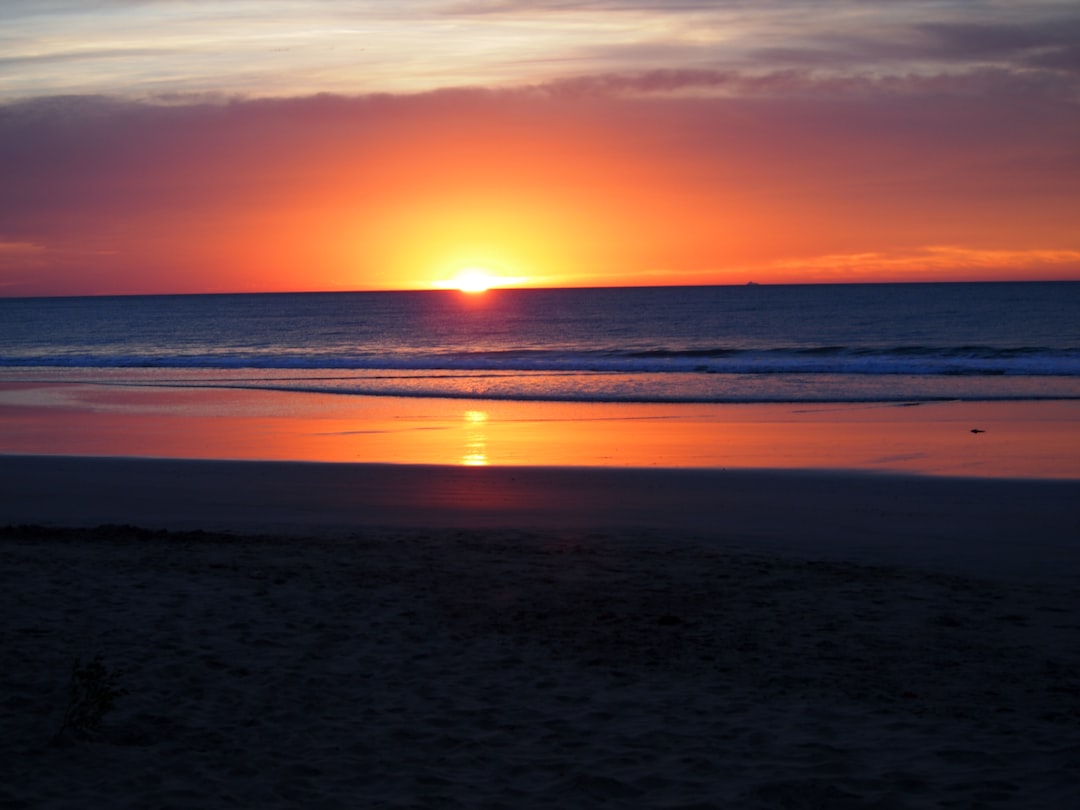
(475, 439)
(995, 439)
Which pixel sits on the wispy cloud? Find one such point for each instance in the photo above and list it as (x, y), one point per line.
(274, 47)
(19, 249)
(20, 262)
(932, 262)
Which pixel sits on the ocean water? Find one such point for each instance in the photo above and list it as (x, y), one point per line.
(812, 343)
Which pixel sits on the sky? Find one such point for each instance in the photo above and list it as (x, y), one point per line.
(177, 146)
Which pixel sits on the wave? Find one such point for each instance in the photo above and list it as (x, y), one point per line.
(576, 386)
(810, 360)
(835, 395)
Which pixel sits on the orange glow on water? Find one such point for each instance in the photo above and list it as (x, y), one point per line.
(1020, 438)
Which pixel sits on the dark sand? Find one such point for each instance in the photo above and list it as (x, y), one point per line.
(390, 637)
(978, 526)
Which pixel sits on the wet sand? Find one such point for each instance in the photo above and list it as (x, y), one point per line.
(973, 525)
(1017, 440)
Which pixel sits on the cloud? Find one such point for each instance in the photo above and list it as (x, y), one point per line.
(805, 83)
(1065, 58)
(22, 62)
(973, 40)
(19, 262)
(532, 8)
(933, 260)
(18, 250)
(282, 48)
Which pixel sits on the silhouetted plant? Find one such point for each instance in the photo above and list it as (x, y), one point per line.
(91, 693)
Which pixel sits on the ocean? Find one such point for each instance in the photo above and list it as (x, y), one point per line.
(747, 344)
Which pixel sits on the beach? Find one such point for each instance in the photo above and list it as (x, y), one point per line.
(316, 600)
(329, 635)
(567, 405)
(988, 439)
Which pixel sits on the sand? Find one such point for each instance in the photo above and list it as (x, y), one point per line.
(375, 636)
(1029, 439)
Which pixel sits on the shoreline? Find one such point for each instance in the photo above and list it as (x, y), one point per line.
(992, 439)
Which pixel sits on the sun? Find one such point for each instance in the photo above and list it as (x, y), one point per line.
(474, 280)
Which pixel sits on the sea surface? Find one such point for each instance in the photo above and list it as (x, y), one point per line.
(757, 343)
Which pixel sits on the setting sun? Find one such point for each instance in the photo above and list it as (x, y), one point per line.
(476, 279)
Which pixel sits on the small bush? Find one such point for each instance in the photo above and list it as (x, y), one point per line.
(91, 693)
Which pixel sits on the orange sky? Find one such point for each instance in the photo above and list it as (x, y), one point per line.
(965, 168)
